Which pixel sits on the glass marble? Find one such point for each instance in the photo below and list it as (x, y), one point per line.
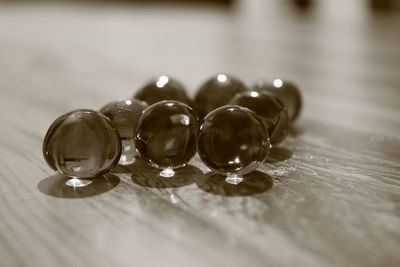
(216, 92)
(125, 117)
(287, 92)
(271, 110)
(163, 88)
(82, 144)
(233, 141)
(166, 135)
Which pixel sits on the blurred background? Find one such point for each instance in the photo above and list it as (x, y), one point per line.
(96, 51)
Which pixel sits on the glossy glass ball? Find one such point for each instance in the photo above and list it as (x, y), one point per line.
(125, 116)
(270, 109)
(163, 88)
(82, 144)
(287, 92)
(166, 135)
(233, 141)
(216, 92)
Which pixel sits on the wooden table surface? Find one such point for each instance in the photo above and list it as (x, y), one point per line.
(328, 196)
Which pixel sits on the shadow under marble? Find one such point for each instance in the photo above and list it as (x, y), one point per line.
(254, 183)
(124, 168)
(148, 176)
(55, 186)
(278, 154)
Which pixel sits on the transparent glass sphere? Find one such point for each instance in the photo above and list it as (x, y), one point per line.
(125, 116)
(287, 92)
(82, 144)
(216, 92)
(233, 141)
(163, 88)
(270, 109)
(166, 135)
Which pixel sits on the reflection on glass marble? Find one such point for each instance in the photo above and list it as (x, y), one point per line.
(216, 92)
(82, 144)
(287, 92)
(163, 88)
(166, 135)
(270, 109)
(125, 116)
(233, 141)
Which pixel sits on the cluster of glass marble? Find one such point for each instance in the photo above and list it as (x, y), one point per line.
(231, 127)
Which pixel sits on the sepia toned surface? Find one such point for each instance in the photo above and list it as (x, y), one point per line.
(328, 196)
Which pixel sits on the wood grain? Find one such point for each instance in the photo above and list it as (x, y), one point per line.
(328, 196)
